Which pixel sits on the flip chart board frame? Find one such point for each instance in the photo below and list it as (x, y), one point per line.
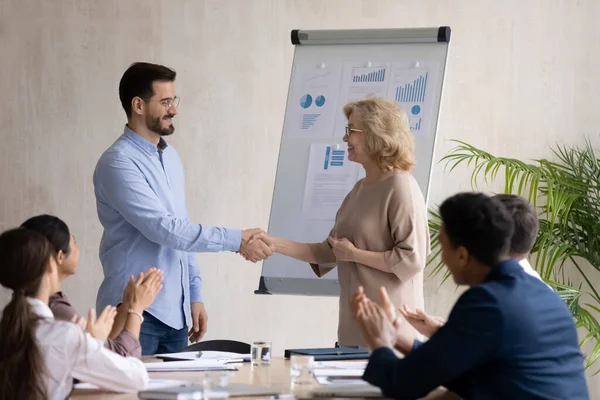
(284, 275)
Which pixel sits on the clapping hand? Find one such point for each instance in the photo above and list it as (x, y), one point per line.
(140, 293)
(376, 328)
(384, 302)
(375, 332)
(253, 247)
(424, 323)
(100, 327)
(79, 321)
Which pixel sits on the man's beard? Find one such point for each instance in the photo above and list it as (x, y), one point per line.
(154, 125)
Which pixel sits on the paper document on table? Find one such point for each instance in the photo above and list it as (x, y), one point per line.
(342, 364)
(360, 390)
(221, 356)
(152, 384)
(326, 380)
(329, 179)
(350, 373)
(195, 365)
(328, 376)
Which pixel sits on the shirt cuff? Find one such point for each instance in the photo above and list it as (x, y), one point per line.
(416, 345)
(196, 295)
(233, 240)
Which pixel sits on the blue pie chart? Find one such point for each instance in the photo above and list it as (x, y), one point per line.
(306, 101)
(416, 109)
(319, 101)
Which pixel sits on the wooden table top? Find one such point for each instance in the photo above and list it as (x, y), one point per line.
(276, 375)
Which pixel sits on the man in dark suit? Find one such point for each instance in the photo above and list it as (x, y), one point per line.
(507, 337)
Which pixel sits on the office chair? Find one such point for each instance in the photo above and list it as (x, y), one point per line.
(231, 346)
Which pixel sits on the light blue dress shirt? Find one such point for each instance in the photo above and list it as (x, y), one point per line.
(140, 198)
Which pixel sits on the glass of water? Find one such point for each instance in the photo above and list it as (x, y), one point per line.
(260, 353)
(215, 385)
(302, 368)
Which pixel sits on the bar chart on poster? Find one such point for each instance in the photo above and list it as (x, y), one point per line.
(330, 69)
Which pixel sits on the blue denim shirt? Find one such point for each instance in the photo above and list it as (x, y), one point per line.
(140, 198)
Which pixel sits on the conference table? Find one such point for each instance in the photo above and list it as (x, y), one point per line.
(276, 375)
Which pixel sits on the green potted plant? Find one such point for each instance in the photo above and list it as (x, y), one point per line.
(567, 194)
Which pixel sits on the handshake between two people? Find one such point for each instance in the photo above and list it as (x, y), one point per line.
(380, 321)
(256, 245)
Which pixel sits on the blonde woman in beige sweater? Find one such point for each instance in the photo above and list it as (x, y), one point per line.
(380, 237)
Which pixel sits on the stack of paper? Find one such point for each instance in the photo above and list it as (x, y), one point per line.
(342, 364)
(326, 376)
(362, 390)
(339, 372)
(152, 384)
(221, 356)
(193, 365)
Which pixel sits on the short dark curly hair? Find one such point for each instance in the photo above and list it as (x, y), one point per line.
(525, 220)
(479, 223)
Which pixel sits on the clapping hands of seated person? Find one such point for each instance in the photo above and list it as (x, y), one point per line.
(140, 293)
(255, 245)
(384, 302)
(375, 326)
(424, 323)
(374, 331)
(99, 328)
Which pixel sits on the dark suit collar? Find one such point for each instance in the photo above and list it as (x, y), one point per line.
(508, 267)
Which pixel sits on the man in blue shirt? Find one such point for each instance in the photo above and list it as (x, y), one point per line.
(507, 336)
(140, 198)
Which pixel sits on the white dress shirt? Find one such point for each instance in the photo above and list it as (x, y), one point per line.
(70, 353)
(530, 271)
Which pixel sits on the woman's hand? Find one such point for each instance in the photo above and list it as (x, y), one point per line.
(145, 288)
(343, 249)
(100, 327)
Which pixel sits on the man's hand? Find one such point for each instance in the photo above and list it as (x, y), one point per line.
(343, 249)
(100, 328)
(402, 341)
(200, 321)
(358, 298)
(375, 327)
(424, 323)
(253, 248)
(384, 302)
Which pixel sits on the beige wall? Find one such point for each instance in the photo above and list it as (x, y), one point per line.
(521, 75)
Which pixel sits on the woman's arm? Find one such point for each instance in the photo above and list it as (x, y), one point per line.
(137, 296)
(373, 259)
(313, 253)
(344, 250)
(93, 363)
(120, 320)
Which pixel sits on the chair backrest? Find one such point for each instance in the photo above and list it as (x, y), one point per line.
(231, 346)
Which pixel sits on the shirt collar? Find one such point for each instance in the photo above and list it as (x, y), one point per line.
(508, 267)
(525, 264)
(143, 143)
(40, 308)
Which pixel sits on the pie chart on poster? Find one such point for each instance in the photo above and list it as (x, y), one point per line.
(306, 101)
(320, 101)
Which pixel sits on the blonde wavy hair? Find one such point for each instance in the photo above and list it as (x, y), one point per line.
(387, 132)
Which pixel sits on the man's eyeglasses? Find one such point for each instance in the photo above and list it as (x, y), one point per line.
(168, 103)
(349, 130)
